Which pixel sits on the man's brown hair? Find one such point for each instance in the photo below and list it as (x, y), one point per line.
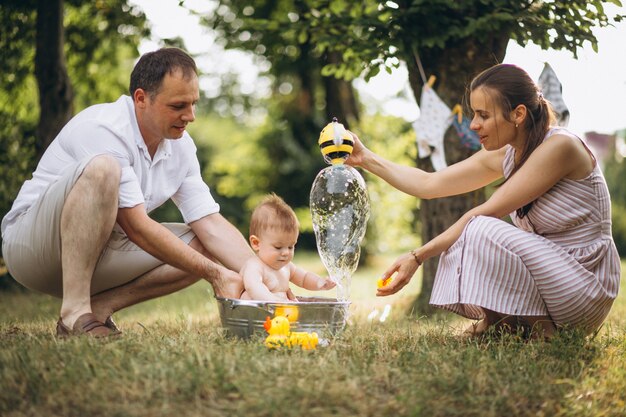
(152, 68)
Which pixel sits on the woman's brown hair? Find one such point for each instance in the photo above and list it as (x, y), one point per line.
(511, 87)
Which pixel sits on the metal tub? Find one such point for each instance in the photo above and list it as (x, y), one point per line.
(244, 318)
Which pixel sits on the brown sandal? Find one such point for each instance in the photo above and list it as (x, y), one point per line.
(112, 325)
(87, 324)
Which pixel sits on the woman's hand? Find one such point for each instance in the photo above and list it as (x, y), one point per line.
(356, 158)
(404, 267)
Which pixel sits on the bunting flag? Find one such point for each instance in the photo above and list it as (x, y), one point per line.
(430, 128)
(553, 92)
(467, 137)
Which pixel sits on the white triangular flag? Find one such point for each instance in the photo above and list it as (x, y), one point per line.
(553, 92)
(430, 128)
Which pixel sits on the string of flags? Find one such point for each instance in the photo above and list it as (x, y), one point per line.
(467, 137)
(553, 92)
(436, 117)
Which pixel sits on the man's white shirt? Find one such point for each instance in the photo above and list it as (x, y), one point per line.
(112, 129)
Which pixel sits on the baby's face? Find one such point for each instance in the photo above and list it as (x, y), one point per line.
(275, 248)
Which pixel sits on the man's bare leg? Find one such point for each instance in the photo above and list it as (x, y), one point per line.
(161, 281)
(87, 219)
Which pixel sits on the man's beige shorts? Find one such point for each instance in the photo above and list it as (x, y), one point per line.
(31, 247)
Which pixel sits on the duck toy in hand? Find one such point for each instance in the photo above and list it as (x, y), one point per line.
(280, 335)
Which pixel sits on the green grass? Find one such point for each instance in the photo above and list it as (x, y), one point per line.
(174, 359)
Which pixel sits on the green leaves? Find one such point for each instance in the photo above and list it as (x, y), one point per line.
(101, 44)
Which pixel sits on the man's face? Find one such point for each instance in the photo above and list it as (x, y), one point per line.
(166, 114)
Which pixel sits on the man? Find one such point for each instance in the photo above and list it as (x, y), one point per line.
(80, 230)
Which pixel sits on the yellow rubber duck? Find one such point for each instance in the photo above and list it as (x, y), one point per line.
(280, 334)
(289, 311)
(383, 282)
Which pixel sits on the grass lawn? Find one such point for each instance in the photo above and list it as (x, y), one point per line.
(174, 360)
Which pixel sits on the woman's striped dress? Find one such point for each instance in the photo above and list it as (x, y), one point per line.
(559, 260)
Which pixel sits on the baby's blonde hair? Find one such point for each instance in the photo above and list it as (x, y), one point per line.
(273, 214)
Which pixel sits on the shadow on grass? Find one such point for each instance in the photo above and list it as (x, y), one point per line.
(9, 284)
(174, 358)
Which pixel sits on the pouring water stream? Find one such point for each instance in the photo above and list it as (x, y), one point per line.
(339, 208)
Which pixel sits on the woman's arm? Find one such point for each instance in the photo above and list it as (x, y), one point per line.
(475, 172)
(558, 157)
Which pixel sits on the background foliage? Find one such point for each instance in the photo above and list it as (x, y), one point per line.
(303, 46)
(449, 39)
(615, 173)
(101, 41)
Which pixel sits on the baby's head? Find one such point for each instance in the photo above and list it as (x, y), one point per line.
(274, 231)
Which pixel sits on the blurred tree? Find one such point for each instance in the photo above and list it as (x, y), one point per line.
(392, 212)
(303, 101)
(43, 45)
(18, 98)
(55, 90)
(615, 172)
(449, 39)
(101, 45)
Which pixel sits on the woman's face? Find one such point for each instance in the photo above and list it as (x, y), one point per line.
(493, 129)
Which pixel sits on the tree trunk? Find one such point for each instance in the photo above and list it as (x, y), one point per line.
(55, 90)
(454, 68)
(340, 98)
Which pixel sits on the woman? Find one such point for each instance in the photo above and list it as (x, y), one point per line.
(557, 265)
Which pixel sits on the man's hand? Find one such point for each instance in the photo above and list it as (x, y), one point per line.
(222, 241)
(228, 284)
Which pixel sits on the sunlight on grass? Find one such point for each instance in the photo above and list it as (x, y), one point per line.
(363, 287)
(174, 358)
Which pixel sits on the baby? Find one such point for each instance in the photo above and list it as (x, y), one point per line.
(274, 232)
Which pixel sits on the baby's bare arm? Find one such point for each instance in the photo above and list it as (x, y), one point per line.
(309, 280)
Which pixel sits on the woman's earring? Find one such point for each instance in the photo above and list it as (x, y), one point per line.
(516, 125)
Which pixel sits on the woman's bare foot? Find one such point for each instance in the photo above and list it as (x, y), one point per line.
(541, 328)
(476, 329)
(509, 325)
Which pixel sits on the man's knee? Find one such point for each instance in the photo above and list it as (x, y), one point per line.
(104, 171)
